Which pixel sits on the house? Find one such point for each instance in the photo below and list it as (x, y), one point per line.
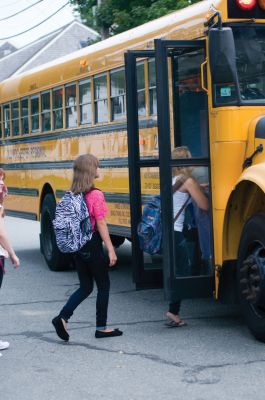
(6, 48)
(58, 43)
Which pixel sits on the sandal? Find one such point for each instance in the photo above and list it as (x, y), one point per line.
(174, 324)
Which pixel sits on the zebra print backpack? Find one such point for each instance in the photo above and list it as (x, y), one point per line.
(72, 224)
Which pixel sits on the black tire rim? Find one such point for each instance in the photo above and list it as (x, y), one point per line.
(252, 278)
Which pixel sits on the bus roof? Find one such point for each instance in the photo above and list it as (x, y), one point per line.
(186, 23)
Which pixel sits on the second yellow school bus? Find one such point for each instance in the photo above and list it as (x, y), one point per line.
(194, 77)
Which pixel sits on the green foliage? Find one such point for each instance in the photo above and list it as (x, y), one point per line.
(115, 16)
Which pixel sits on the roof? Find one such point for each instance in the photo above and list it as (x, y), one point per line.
(47, 48)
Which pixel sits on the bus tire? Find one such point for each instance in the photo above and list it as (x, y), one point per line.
(117, 241)
(56, 260)
(251, 275)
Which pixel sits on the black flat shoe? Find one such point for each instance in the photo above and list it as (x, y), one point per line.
(101, 334)
(60, 330)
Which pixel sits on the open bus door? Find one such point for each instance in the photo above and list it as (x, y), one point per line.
(182, 120)
(147, 271)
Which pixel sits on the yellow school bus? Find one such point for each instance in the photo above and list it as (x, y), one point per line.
(193, 78)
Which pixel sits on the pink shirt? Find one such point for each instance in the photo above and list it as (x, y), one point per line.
(97, 207)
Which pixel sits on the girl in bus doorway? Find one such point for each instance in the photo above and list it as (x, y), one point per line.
(5, 245)
(189, 189)
(91, 262)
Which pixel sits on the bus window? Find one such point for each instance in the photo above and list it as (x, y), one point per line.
(191, 128)
(45, 112)
(34, 112)
(117, 88)
(15, 117)
(152, 87)
(6, 120)
(101, 98)
(141, 89)
(250, 59)
(57, 101)
(70, 106)
(25, 116)
(85, 102)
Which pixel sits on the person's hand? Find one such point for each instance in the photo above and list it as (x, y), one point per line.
(15, 260)
(112, 258)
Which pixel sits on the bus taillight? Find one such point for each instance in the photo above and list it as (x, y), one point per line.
(246, 4)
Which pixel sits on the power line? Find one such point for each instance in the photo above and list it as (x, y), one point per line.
(35, 26)
(21, 11)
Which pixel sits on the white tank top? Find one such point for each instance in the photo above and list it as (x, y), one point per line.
(3, 252)
(179, 199)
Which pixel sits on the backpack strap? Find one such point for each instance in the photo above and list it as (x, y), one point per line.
(179, 182)
(182, 209)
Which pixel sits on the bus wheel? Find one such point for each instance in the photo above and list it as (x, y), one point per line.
(53, 257)
(251, 275)
(117, 241)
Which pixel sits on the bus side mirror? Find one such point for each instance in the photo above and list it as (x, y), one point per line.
(222, 56)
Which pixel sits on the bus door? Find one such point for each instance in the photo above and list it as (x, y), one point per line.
(182, 110)
(142, 157)
(177, 116)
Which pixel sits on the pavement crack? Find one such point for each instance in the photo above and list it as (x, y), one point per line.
(197, 374)
(61, 300)
(202, 374)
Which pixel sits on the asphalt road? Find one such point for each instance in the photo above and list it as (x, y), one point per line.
(214, 357)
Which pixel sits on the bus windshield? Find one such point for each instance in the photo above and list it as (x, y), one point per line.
(250, 60)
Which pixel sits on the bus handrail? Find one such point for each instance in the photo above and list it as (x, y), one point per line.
(202, 76)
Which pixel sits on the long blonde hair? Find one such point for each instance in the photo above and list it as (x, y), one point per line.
(84, 173)
(181, 152)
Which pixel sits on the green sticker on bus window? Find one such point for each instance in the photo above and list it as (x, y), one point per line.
(225, 91)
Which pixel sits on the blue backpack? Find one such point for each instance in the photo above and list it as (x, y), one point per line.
(150, 227)
(72, 224)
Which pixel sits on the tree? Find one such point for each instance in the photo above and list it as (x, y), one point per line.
(110, 17)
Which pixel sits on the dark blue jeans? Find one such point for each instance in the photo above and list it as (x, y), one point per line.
(182, 266)
(2, 269)
(174, 307)
(92, 265)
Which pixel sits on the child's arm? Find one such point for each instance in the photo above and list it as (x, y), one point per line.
(6, 243)
(104, 233)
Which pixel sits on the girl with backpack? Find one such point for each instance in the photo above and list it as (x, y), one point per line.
(188, 190)
(90, 262)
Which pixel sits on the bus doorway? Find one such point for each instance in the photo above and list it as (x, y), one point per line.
(142, 158)
(181, 121)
